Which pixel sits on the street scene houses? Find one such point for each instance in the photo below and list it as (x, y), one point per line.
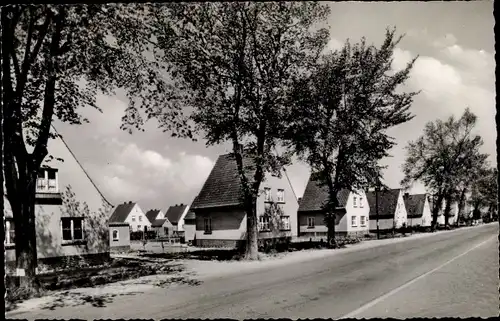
(175, 215)
(418, 210)
(219, 212)
(391, 209)
(70, 212)
(132, 214)
(351, 219)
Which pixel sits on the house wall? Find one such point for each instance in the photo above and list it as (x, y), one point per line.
(228, 227)
(80, 198)
(401, 216)
(161, 229)
(414, 221)
(123, 242)
(180, 224)
(289, 207)
(140, 219)
(384, 224)
(362, 208)
(189, 230)
(427, 214)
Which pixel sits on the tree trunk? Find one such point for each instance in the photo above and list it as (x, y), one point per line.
(447, 211)
(461, 206)
(252, 248)
(23, 211)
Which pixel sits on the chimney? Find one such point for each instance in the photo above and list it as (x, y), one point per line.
(182, 204)
(300, 199)
(407, 194)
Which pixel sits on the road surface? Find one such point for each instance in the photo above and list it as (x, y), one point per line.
(453, 273)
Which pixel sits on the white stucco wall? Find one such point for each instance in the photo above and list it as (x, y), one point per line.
(362, 208)
(137, 213)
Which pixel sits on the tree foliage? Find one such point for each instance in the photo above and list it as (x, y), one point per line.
(232, 65)
(55, 60)
(341, 113)
(446, 158)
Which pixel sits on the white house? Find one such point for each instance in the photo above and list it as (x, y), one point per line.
(311, 216)
(132, 214)
(391, 209)
(418, 210)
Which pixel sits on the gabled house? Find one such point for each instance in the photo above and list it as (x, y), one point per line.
(131, 213)
(453, 215)
(418, 210)
(155, 214)
(391, 209)
(221, 217)
(352, 214)
(70, 211)
(176, 214)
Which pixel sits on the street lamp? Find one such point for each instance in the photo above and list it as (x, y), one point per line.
(376, 207)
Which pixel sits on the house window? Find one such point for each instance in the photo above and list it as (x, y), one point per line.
(354, 199)
(361, 202)
(280, 195)
(354, 221)
(267, 194)
(285, 223)
(264, 223)
(138, 227)
(363, 221)
(166, 230)
(46, 181)
(72, 228)
(310, 222)
(140, 218)
(10, 232)
(133, 218)
(115, 235)
(207, 222)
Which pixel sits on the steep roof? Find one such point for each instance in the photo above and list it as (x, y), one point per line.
(315, 196)
(158, 223)
(223, 186)
(151, 215)
(387, 203)
(121, 212)
(174, 213)
(414, 205)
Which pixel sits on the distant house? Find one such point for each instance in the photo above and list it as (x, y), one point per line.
(153, 215)
(352, 215)
(189, 226)
(418, 210)
(70, 212)
(391, 209)
(176, 214)
(131, 213)
(220, 215)
(453, 215)
(163, 227)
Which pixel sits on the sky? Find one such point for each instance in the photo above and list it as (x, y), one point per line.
(455, 70)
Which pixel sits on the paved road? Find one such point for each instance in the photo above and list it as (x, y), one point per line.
(446, 274)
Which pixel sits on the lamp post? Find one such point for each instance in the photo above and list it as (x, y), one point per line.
(376, 208)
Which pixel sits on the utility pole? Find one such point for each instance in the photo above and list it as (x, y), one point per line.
(376, 207)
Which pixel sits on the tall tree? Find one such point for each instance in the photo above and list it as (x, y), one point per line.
(56, 59)
(442, 157)
(232, 64)
(341, 113)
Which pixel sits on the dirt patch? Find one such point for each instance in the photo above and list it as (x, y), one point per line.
(121, 271)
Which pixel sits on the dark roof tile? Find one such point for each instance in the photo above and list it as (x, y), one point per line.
(121, 212)
(414, 205)
(387, 203)
(315, 196)
(158, 223)
(174, 213)
(151, 215)
(223, 186)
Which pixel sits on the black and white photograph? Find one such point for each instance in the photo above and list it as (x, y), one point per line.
(249, 160)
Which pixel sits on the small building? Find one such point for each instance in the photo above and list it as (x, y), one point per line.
(418, 210)
(162, 227)
(155, 214)
(391, 209)
(119, 236)
(175, 215)
(352, 214)
(221, 217)
(131, 213)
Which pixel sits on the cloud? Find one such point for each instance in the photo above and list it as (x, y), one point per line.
(149, 177)
(333, 44)
(445, 41)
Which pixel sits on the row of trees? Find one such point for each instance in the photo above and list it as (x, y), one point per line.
(448, 160)
(256, 75)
